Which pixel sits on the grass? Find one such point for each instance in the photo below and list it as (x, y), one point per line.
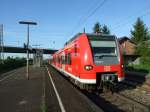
(139, 68)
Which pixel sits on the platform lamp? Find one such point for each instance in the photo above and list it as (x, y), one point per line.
(27, 23)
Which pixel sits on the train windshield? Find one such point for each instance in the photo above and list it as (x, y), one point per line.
(100, 48)
(104, 49)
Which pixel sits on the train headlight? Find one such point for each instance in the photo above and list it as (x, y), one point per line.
(122, 66)
(88, 67)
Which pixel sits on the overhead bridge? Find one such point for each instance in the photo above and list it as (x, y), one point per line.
(10, 49)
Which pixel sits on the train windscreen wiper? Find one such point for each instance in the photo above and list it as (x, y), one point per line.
(107, 55)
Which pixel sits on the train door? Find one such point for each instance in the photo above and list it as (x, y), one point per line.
(63, 61)
(75, 60)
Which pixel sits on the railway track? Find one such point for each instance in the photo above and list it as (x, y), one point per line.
(129, 83)
(138, 77)
(135, 104)
(134, 80)
(136, 88)
(118, 102)
(122, 101)
(115, 102)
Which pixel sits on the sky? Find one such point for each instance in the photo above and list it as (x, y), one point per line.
(58, 20)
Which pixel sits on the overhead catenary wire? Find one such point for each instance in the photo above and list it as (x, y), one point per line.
(124, 24)
(84, 20)
(81, 19)
(133, 15)
(131, 18)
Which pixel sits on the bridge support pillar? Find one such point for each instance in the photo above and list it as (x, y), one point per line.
(38, 58)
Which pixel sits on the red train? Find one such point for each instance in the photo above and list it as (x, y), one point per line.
(90, 60)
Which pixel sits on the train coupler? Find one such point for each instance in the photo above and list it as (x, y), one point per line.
(109, 78)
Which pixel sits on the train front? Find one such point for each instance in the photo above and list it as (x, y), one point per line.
(107, 58)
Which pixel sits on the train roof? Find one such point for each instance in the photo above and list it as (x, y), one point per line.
(88, 35)
(73, 38)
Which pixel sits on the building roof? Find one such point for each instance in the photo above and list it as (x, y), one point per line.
(123, 39)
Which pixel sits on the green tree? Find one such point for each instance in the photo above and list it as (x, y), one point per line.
(143, 49)
(97, 28)
(140, 35)
(105, 30)
(140, 32)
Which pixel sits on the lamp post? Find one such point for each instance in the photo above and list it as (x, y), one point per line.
(27, 23)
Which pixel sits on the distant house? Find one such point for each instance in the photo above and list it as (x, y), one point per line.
(127, 45)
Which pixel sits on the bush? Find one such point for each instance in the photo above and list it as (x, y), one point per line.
(12, 63)
(143, 49)
(145, 61)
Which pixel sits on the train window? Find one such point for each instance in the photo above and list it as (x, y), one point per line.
(53, 59)
(69, 59)
(75, 50)
(66, 58)
(62, 59)
(101, 48)
(58, 59)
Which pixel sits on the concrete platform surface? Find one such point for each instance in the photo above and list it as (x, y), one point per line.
(72, 99)
(17, 94)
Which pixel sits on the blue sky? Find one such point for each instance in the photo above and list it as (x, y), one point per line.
(59, 20)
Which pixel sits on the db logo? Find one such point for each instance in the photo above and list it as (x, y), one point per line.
(106, 68)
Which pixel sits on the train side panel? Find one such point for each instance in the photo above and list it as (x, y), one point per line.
(86, 60)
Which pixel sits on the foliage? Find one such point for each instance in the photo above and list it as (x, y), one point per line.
(105, 30)
(97, 28)
(143, 49)
(12, 63)
(140, 35)
(145, 61)
(139, 68)
(144, 65)
(140, 32)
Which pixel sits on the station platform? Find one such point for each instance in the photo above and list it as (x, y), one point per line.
(17, 94)
(45, 91)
